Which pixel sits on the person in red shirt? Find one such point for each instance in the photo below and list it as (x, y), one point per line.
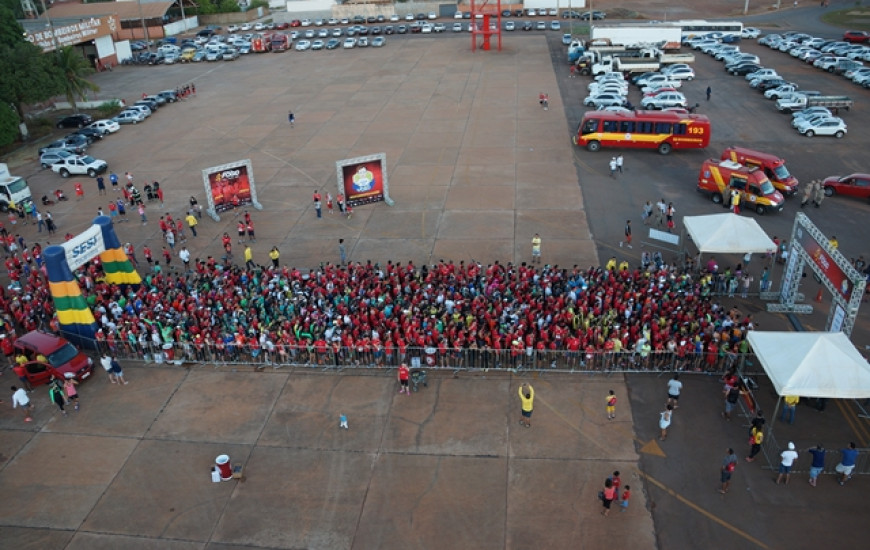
(404, 376)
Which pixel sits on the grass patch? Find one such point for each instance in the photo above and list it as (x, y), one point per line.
(857, 18)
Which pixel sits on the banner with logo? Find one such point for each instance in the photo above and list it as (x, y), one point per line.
(230, 186)
(825, 263)
(363, 180)
(84, 247)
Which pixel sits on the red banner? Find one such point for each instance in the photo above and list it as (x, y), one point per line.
(363, 182)
(825, 263)
(230, 187)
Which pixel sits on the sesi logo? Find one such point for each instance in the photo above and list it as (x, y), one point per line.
(84, 248)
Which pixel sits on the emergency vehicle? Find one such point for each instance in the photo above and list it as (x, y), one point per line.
(773, 166)
(718, 178)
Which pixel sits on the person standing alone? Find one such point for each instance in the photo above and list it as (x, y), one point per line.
(627, 234)
(527, 398)
(619, 161)
(291, 118)
(729, 464)
(709, 92)
(536, 249)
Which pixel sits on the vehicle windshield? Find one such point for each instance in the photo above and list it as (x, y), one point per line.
(88, 160)
(17, 186)
(63, 355)
(781, 173)
(767, 187)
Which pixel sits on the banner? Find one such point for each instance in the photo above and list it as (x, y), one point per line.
(83, 247)
(824, 262)
(73, 33)
(363, 180)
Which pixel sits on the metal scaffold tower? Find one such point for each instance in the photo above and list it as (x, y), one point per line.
(485, 22)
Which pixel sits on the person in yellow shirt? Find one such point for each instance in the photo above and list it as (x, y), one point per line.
(789, 406)
(527, 396)
(536, 249)
(21, 359)
(249, 258)
(611, 405)
(41, 358)
(274, 255)
(191, 222)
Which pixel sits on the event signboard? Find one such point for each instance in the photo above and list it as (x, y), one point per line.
(363, 180)
(73, 33)
(230, 186)
(824, 262)
(83, 247)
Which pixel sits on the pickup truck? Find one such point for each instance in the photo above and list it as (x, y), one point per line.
(780, 91)
(626, 64)
(80, 165)
(802, 101)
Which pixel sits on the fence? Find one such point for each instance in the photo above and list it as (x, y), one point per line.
(326, 356)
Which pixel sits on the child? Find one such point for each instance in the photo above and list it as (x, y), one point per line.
(611, 405)
(69, 388)
(342, 421)
(616, 483)
(625, 496)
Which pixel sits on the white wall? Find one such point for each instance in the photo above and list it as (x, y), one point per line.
(105, 46)
(123, 50)
(181, 26)
(560, 4)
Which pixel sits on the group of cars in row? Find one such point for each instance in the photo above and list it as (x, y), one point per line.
(787, 94)
(660, 89)
(66, 156)
(834, 56)
(333, 43)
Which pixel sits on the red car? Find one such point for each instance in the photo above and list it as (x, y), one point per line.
(282, 25)
(296, 23)
(855, 185)
(63, 358)
(856, 37)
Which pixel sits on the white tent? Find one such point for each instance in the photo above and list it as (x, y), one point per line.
(727, 234)
(812, 364)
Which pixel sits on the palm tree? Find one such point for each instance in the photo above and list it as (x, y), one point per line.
(74, 68)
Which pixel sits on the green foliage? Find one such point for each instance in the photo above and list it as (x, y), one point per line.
(229, 6)
(109, 109)
(8, 125)
(258, 4)
(74, 69)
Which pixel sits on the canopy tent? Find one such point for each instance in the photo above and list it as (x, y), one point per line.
(727, 234)
(812, 364)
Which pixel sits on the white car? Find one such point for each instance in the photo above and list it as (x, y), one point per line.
(309, 33)
(667, 99)
(615, 109)
(395, 17)
(426, 28)
(809, 113)
(245, 27)
(604, 100)
(305, 23)
(129, 117)
(510, 26)
(827, 126)
(457, 27)
(80, 165)
(259, 27)
(233, 28)
(658, 81)
(349, 43)
(432, 15)
(106, 126)
(317, 45)
(457, 15)
(302, 45)
(761, 73)
(566, 39)
(611, 76)
(749, 32)
(682, 73)
(362, 42)
(143, 109)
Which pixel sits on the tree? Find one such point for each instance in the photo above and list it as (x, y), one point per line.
(73, 68)
(8, 124)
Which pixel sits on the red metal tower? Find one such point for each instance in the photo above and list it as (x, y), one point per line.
(484, 15)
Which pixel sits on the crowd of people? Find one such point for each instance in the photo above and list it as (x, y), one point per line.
(369, 314)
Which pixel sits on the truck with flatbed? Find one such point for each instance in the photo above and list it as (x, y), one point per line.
(802, 101)
(667, 36)
(626, 65)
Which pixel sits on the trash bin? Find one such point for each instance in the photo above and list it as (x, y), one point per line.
(169, 352)
(431, 359)
(224, 467)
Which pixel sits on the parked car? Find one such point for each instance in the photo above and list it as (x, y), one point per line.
(332, 43)
(91, 134)
(749, 32)
(827, 126)
(660, 101)
(854, 185)
(349, 43)
(50, 157)
(682, 73)
(74, 144)
(168, 95)
(302, 45)
(63, 360)
(856, 36)
(378, 41)
(79, 166)
(129, 117)
(143, 109)
(78, 120)
(106, 126)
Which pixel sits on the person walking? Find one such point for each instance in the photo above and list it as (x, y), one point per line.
(249, 258)
(665, 421)
(342, 252)
(607, 496)
(789, 406)
(818, 454)
(730, 401)
(317, 203)
(275, 256)
(729, 464)
(101, 185)
(661, 210)
(709, 92)
(55, 394)
(117, 371)
(756, 436)
(184, 256)
(735, 201)
(113, 179)
(329, 203)
(627, 232)
(611, 405)
(626, 494)
(142, 213)
(291, 118)
(847, 463)
(527, 399)
(536, 249)
(20, 399)
(818, 193)
(619, 161)
(646, 215)
(544, 100)
(808, 193)
(191, 222)
(787, 458)
(404, 376)
(674, 389)
(72, 394)
(613, 167)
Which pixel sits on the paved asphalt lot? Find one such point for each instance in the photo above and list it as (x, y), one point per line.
(476, 168)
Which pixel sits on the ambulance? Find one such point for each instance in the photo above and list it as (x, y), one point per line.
(773, 166)
(719, 177)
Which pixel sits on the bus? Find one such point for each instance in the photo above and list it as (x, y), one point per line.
(696, 27)
(662, 130)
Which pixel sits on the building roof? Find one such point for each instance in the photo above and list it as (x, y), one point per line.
(124, 10)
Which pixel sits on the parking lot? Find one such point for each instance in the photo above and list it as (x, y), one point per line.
(476, 167)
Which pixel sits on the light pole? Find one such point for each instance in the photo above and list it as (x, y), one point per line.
(144, 26)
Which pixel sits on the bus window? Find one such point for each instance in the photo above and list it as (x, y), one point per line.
(610, 126)
(626, 127)
(590, 126)
(644, 127)
(680, 129)
(663, 127)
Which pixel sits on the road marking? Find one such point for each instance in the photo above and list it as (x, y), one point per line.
(647, 447)
(702, 511)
